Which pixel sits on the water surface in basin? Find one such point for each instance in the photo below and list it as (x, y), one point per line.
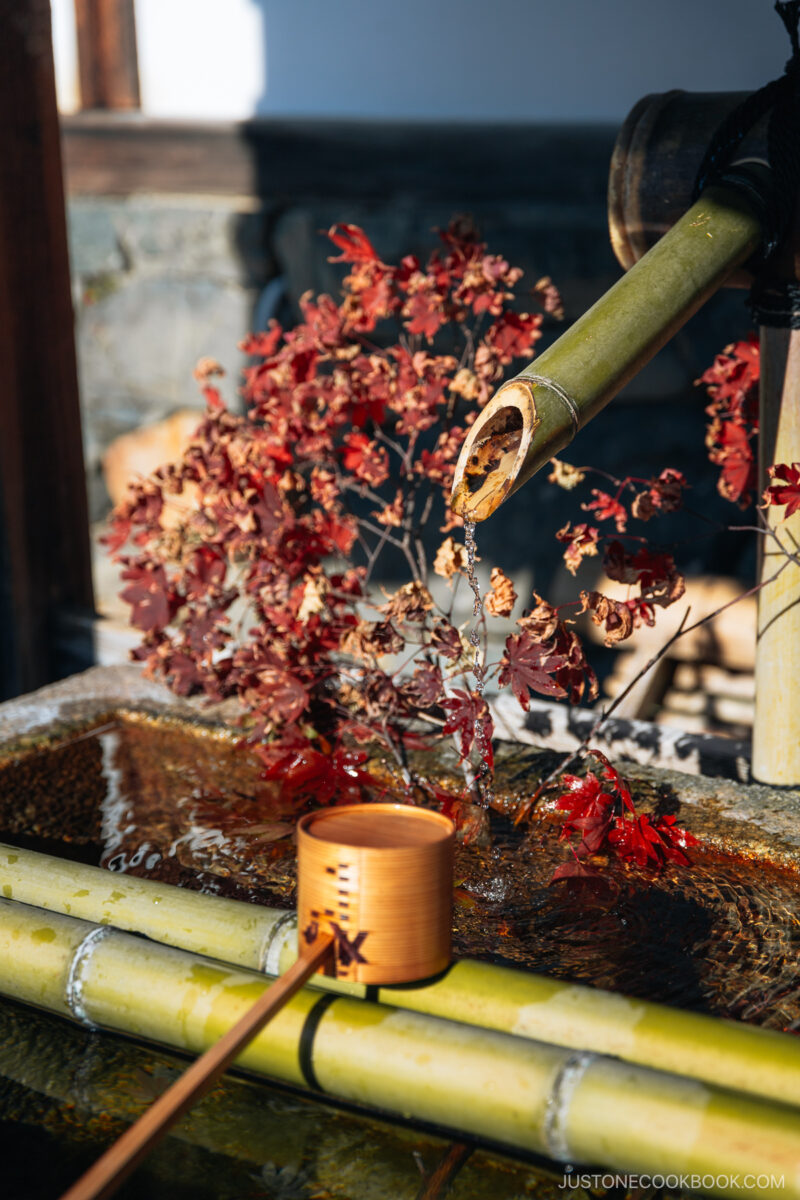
(184, 805)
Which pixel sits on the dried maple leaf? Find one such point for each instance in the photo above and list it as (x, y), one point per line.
(501, 597)
(614, 615)
(659, 579)
(206, 368)
(152, 601)
(445, 639)
(541, 622)
(409, 604)
(371, 639)
(565, 475)
(549, 297)
(426, 686)
(392, 514)
(581, 543)
(451, 557)
(662, 495)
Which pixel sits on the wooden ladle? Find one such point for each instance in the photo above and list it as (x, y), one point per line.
(375, 894)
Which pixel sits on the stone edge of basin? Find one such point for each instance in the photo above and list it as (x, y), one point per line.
(723, 809)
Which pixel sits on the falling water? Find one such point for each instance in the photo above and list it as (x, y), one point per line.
(484, 775)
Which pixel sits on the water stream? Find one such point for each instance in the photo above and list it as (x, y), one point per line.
(483, 777)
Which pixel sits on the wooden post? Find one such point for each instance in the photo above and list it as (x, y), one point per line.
(776, 732)
(44, 532)
(107, 60)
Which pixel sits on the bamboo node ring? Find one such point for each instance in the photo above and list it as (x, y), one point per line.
(269, 957)
(73, 992)
(559, 1101)
(569, 403)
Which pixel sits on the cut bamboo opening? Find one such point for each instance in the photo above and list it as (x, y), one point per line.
(761, 1062)
(576, 1107)
(534, 416)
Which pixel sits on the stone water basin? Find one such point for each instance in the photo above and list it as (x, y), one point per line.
(109, 771)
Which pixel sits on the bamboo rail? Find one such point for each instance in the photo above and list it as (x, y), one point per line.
(523, 1094)
(120, 1160)
(115, 1078)
(532, 417)
(760, 1062)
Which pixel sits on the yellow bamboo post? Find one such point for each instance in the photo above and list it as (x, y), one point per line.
(761, 1062)
(776, 730)
(543, 1099)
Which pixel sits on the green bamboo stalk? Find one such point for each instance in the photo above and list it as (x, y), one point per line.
(492, 1086)
(534, 416)
(254, 1124)
(761, 1062)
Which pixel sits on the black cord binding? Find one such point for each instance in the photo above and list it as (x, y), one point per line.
(772, 302)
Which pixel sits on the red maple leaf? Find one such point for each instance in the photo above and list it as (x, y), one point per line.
(152, 601)
(786, 490)
(732, 450)
(354, 244)
(604, 506)
(466, 712)
(315, 770)
(513, 335)
(424, 313)
(263, 344)
(365, 459)
(528, 665)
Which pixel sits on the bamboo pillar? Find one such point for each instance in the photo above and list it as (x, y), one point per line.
(492, 1086)
(761, 1062)
(776, 731)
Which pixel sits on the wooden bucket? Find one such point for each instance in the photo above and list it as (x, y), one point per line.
(380, 878)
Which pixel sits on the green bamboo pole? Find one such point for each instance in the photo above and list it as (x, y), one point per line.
(230, 930)
(337, 1152)
(534, 416)
(761, 1062)
(522, 1094)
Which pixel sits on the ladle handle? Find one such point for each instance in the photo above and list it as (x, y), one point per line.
(104, 1177)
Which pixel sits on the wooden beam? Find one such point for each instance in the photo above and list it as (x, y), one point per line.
(44, 533)
(108, 65)
(561, 168)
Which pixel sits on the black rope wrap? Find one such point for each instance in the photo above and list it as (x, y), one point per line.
(772, 302)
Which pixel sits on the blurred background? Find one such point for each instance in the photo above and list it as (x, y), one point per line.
(206, 143)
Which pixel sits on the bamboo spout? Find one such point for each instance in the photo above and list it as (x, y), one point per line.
(535, 415)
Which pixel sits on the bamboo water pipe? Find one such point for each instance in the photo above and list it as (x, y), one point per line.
(534, 416)
(743, 1057)
(674, 263)
(574, 1107)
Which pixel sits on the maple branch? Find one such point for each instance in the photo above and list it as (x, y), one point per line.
(608, 712)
